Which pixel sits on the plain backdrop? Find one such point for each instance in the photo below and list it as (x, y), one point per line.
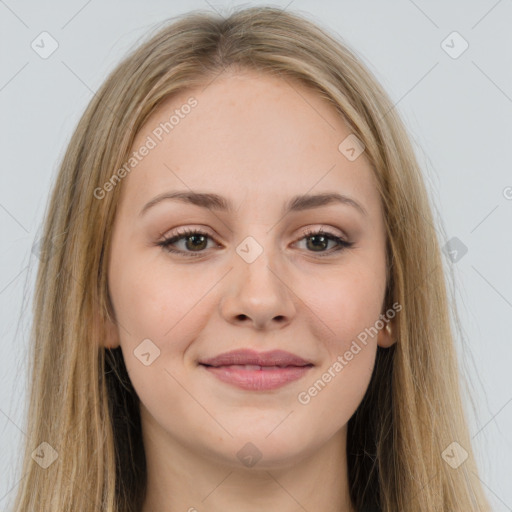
(454, 92)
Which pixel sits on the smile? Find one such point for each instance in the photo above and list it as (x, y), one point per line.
(253, 377)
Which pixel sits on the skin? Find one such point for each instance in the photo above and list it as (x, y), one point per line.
(257, 141)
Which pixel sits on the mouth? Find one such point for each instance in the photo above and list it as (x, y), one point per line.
(257, 378)
(254, 367)
(257, 371)
(261, 360)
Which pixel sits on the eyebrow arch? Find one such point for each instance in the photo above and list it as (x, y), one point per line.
(216, 202)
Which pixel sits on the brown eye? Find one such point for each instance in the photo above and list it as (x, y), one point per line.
(318, 241)
(195, 241)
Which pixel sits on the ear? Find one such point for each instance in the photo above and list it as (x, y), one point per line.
(111, 335)
(387, 335)
(110, 332)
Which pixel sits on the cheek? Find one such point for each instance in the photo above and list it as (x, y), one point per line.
(346, 308)
(344, 304)
(339, 387)
(155, 301)
(138, 301)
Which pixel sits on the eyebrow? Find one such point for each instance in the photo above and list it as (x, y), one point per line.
(297, 203)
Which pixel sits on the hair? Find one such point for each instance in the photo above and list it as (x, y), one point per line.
(82, 402)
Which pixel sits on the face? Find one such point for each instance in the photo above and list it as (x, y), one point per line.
(253, 276)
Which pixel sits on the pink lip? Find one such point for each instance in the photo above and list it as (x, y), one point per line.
(246, 356)
(280, 368)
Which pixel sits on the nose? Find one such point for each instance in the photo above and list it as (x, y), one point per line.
(258, 294)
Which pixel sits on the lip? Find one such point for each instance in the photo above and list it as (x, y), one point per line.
(246, 356)
(262, 371)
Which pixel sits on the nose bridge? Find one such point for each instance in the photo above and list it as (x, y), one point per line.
(258, 291)
(258, 262)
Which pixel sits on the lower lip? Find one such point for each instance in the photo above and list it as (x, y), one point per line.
(258, 380)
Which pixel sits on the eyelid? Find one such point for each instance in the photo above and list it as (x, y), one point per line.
(341, 241)
(169, 233)
(308, 231)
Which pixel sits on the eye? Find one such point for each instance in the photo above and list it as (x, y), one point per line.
(196, 241)
(320, 239)
(197, 238)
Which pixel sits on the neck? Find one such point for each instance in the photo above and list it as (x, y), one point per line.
(181, 478)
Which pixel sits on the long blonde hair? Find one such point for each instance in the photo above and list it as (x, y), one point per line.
(82, 406)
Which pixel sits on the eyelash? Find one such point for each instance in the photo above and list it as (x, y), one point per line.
(166, 242)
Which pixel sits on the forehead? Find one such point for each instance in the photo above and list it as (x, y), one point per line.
(247, 135)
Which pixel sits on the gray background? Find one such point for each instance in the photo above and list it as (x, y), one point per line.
(458, 111)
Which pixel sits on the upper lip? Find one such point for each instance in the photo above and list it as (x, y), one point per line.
(246, 356)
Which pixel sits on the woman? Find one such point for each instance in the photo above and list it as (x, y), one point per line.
(242, 304)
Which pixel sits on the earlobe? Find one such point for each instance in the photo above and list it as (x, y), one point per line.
(111, 335)
(110, 338)
(387, 336)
